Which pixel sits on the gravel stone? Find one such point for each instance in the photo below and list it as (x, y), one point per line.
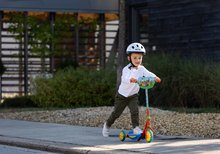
(206, 125)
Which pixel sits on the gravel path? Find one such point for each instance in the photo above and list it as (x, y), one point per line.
(163, 122)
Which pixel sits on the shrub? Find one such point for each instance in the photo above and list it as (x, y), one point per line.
(18, 102)
(185, 82)
(76, 88)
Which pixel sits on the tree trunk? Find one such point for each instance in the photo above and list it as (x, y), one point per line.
(122, 39)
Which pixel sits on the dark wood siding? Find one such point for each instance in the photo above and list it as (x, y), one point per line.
(191, 27)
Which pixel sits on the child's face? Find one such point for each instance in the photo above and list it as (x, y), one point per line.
(136, 59)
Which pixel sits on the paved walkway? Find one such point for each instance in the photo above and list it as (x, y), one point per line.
(76, 139)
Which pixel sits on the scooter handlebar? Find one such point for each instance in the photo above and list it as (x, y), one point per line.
(146, 82)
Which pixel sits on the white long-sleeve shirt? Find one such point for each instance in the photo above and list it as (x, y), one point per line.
(128, 89)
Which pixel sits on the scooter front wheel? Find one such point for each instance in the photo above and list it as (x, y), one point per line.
(122, 135)
(149, 136)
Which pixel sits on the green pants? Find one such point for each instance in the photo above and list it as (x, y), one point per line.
(120, 104)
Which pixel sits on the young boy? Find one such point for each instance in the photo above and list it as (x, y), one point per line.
(127, 94)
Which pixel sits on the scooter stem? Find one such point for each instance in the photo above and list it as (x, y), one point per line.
(147, 99)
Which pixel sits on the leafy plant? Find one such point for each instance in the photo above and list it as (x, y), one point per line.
(41, 37)
(18, 102)
(76, 88)
(185, 82)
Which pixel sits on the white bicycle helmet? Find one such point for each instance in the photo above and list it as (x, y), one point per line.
(135, 48)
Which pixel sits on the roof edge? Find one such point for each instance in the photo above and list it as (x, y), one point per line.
(83, 6)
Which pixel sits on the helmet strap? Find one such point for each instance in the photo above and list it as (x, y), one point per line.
(132, 65)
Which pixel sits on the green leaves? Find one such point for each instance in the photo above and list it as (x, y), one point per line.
(76, 88)
(185, 82)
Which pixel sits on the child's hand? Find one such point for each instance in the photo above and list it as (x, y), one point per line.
(158, 79)
(133, 80)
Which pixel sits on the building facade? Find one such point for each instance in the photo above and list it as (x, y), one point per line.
(42, 36)
(189, 27)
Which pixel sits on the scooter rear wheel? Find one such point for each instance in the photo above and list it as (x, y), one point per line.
(149, 136)
(122, 135)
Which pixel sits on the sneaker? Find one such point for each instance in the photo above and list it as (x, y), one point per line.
(137, 130)
(105, 130)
